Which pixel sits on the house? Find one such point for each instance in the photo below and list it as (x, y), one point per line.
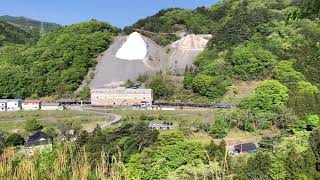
(14, 104)
(161, 125)
(31, 105)
(39, 138)
(121, 96)
(51, 106)
(245, 148)
(3, 105)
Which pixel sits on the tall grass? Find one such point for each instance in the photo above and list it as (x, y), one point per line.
(64, 162)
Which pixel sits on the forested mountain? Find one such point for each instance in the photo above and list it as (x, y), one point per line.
(196, 21)
(30, 25)
(251, 41)
(10, 34)
(56, 64)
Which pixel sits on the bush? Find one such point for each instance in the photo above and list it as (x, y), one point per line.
(85, 93)
(219, 129)
(270, 96)
(306, 88)
(212, 87)
(15, 139)
(252, 62)
(161, 87)
(313, 120)
(187, 80)
(285, 73)
(33, 125)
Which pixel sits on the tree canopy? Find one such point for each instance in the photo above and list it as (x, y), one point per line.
(270, 96)
(57, 64)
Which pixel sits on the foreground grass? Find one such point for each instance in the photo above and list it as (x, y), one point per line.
(15, 121)
(62, 162)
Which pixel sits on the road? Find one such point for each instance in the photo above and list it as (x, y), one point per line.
(116, 117)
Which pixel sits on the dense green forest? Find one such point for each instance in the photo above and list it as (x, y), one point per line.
(196, 21)
(10, 34)
(56, 64)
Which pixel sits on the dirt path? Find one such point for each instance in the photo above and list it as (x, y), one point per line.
(116, 118)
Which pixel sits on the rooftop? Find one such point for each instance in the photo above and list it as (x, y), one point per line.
(38, 138)
(31, 101)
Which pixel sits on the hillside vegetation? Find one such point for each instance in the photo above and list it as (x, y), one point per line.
(56, 64)
(196, 21)
(253, 43)
(10, 34)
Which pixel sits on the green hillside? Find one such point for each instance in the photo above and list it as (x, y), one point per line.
(56, 64)
(263, 52)
(251, 41)
(30, 25)
(197, 21)
(10, 34)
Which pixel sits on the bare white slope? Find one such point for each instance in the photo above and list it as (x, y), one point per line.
(184, 51)
(135, 48)
(191, 42)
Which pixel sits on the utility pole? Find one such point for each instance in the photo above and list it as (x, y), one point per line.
(42, 29)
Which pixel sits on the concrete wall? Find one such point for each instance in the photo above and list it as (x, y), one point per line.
(30, 106)
(51, 107)
(120, 96)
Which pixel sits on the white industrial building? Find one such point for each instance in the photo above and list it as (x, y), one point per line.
(121, 96)
(31, 105)
(10, 104)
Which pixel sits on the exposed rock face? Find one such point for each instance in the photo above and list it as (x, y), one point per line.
(185, 50)
(112, 70)
(191, 42)
(130, 56)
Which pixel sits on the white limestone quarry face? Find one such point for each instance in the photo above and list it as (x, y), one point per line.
(191, 42)
(134, 48)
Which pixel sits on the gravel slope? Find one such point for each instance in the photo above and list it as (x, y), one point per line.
(112, 71)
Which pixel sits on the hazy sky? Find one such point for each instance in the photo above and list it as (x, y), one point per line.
(118, 12)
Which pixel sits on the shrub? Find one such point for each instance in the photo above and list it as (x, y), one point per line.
(212, 87)
(270, 96)
(187, 80)
(14, 139)
(219, 128)
(33, 125)
(313, 120)
(161, 87)
(252, 62)
(285, 73)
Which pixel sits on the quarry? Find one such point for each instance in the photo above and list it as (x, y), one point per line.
(135, 54)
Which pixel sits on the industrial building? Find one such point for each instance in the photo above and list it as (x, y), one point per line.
(10, 104)
(121, 96)
(28, 105)
(31, 105)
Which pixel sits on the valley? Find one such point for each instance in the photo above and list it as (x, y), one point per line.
(228, 91)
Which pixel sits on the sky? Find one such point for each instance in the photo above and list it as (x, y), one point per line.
(119, 13)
